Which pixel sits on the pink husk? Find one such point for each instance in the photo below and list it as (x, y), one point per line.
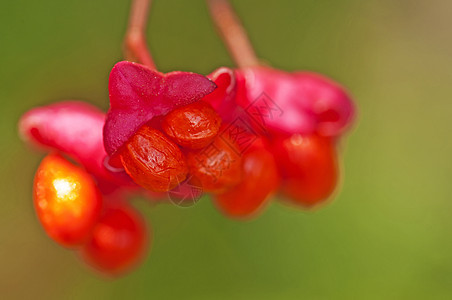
(74, 128)
(300, 102)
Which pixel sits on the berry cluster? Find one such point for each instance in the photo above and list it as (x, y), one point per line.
(240, 135)
(69, 204)
(83, 207)
(232, 157)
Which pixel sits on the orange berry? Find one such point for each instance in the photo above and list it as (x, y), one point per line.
(193, 126)
(66, 199)
(153, 161)
(217, 167)
(119, 241)
(309, 167)
(260, 181)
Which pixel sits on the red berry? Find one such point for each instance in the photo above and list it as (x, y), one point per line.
(154, 161)
(309, 167)
(66, 200)
(119, 241)
(217, 167)
(260, 181)
(193, 126)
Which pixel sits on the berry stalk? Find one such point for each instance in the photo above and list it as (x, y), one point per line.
(233, 33)
(135, 48)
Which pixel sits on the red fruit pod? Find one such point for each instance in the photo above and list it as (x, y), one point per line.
(260, 181)
(217, 167)
(119, 241)
(192, 126)
(309, 168)
(153, 161)
(66, 199)
(300, 102)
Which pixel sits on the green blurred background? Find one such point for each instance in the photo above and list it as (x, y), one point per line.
(386, 236)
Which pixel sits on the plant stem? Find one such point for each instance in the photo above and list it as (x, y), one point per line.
(135, 48)
(233, 33)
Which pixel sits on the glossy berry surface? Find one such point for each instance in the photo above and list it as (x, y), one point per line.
(217, 167)
(119, 241)
(66, 200)
(309, 167)
(153, 160)
(260, 180)
(193, 126)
